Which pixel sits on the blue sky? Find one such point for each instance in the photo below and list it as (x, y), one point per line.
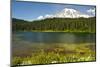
(31, 10)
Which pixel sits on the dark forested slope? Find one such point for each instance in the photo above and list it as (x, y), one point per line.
(56, 25)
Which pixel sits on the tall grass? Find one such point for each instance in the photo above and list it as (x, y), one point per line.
(58, 54)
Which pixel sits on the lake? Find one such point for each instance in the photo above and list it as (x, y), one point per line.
(27, 41)
(54, 37)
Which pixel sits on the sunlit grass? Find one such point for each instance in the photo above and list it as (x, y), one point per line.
(61, 53)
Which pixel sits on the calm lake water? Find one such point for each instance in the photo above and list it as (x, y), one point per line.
(24, 43)
(54, 37)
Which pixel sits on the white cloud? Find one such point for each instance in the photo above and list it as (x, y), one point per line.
(40, 17)
(48, 16)
(91, 11)
(43, 17)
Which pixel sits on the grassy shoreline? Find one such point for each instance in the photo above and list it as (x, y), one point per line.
(56, 31)
(61, 53)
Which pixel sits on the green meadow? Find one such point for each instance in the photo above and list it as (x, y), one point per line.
(58, 53)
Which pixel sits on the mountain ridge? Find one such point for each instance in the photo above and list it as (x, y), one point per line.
(66, 13)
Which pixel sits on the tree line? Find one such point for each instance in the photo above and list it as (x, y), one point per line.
(56, 24)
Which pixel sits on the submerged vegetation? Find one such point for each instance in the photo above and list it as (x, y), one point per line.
(58, 53)
(56, 25)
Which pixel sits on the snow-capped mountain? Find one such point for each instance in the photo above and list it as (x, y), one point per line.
(71, 13)
(66, 13)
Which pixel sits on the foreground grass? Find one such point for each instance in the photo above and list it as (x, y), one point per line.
(58, 54)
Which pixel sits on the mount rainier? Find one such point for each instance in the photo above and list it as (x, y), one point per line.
(66, 13)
